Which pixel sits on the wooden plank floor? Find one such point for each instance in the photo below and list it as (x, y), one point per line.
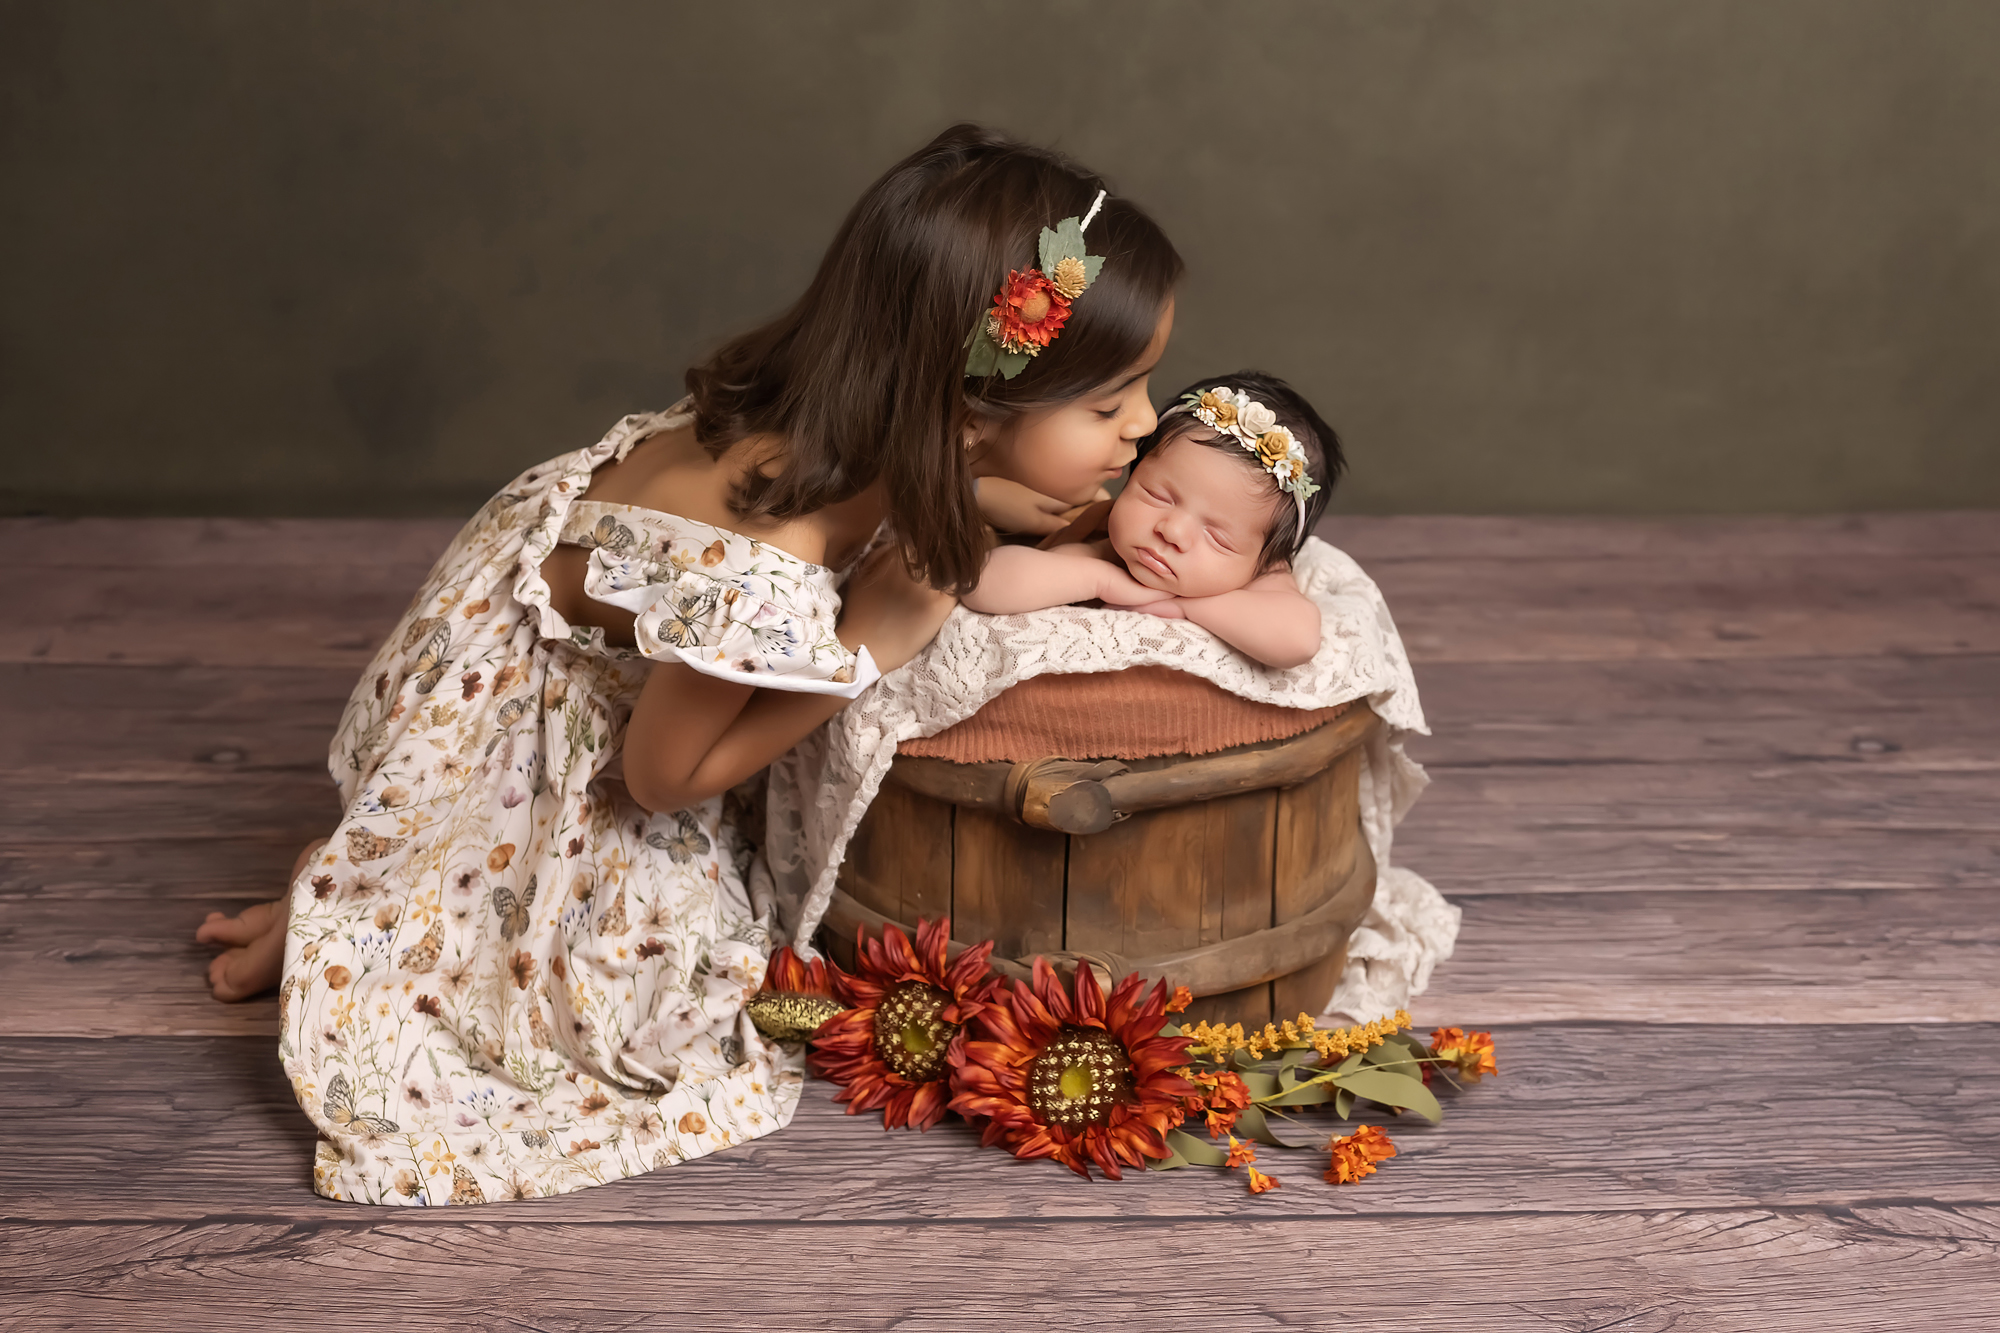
(1720, 799)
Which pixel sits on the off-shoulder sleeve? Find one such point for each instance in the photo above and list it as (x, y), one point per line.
(731, 625)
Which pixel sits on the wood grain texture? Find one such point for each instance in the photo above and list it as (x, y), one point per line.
(167, 722)
(328, 614)
(1586, 1117)
(1780, 1271)
(1704, 602)
(1560, 754)
(1007, 884)
(1480, 537)
(1936, 712)
(1506, 828)
(1167, 880)
(1309, 852)
(1716, 607)
(79, 542)
(1833, 956)
(1722, 782)
(1495, 828)
(905, 854)
(204, 870)
(1865, 712)
(116, 963)
(121, 543)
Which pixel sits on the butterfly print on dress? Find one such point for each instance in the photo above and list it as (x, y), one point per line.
(339, 1107)
(686, 843)
(363, 845)
(513, 911)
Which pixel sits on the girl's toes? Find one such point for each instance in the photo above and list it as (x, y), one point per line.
(230, 930)
(220, 929)
(240, 973)
(218, 976)
(243, 928)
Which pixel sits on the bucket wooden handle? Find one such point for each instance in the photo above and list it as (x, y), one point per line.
(1068, 796)
(1208, 969)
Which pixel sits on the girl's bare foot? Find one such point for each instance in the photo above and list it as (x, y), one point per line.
(255, 956)
(253, 959)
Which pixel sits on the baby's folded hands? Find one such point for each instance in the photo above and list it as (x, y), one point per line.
(1117, 588)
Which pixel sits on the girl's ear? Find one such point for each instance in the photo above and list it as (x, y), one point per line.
(979, 434)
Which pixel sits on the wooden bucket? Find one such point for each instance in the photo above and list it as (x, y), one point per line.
(1239, 874)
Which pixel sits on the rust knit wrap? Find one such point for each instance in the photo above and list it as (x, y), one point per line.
(1131, 714)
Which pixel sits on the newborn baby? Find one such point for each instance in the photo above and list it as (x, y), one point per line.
(1223, 495)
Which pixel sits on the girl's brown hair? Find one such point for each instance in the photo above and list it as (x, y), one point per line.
(864, 377)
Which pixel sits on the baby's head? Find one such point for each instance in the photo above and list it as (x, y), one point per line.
(1216, 499)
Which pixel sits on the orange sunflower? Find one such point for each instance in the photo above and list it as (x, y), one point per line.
(1027, 312)
(796, 998)
(1074, 1076)
(906, 1009)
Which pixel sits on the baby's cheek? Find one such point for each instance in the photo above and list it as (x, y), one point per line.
(1211, 573)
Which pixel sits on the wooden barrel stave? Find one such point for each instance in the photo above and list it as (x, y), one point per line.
(1164, 880)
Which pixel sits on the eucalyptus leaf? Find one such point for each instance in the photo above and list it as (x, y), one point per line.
(1295, 1055)
(1194, 1151)
(1261, 1085)
(1171, 1030)
(1250, 1124)
(1343, 1103)
(1348, 1065)
(1398, 1090)
(1315, 1138)
(984, 357)
(1308, 1094)
(1167, 1163)
(1386, 1056)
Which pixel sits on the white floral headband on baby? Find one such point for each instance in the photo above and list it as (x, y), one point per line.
(1236, 414)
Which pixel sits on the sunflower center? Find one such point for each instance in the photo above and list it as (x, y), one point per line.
(1078, 1078)
(910, 1036)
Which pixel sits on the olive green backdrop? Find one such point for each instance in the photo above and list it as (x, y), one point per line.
(1540, 255)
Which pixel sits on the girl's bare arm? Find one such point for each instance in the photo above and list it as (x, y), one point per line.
(693, 736)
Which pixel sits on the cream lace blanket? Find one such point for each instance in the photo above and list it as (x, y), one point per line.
(819, 792)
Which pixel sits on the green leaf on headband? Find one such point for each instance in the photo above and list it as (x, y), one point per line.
(983, 359)
(1010, 364)
(1065, 242)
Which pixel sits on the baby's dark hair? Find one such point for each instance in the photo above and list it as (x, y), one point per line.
(1324, 460)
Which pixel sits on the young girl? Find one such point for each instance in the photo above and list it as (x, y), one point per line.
(1224, 496)
(518, 966)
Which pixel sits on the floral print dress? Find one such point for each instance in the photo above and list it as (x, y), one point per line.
(504, 979)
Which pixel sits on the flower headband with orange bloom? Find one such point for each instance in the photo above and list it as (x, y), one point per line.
(1031, 309)
(1235, 414)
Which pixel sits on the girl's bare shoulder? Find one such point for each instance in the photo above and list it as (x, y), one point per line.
(673, 473)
